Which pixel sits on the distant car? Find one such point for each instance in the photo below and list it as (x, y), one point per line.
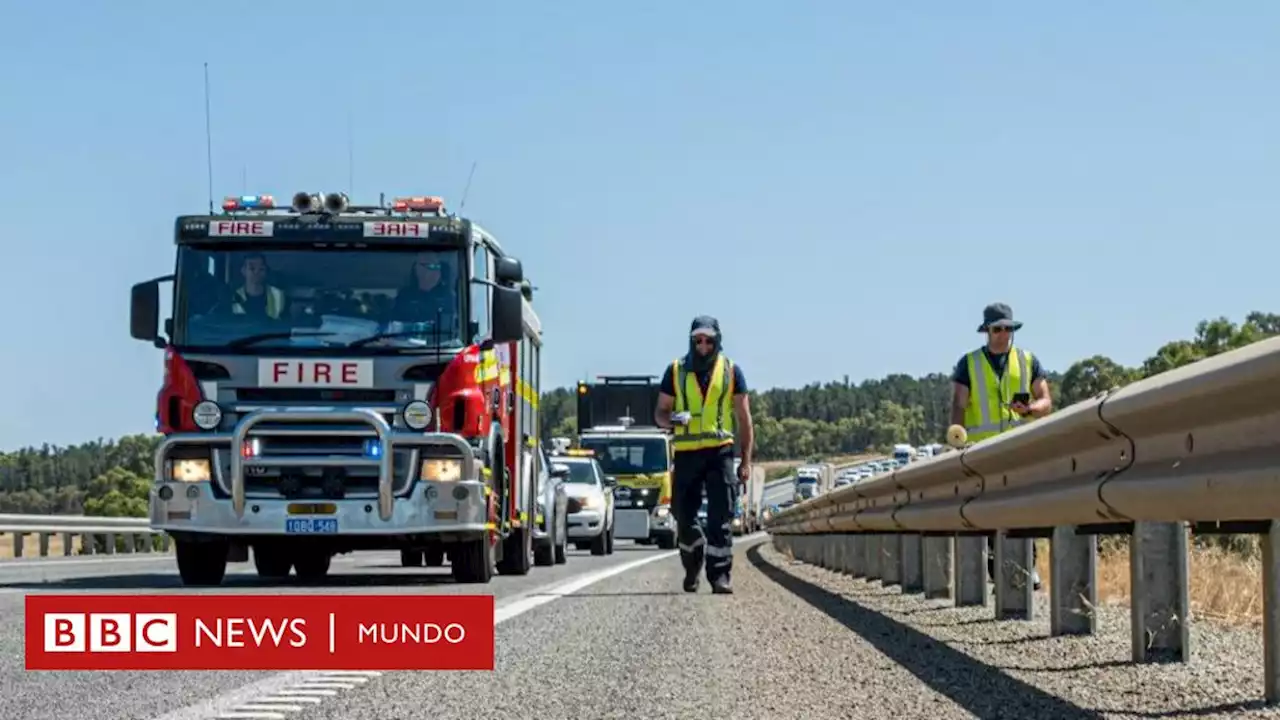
(590, 503)
(551, 524)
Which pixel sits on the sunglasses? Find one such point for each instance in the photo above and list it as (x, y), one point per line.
(703, 340)
(997, 330)
(429, 265)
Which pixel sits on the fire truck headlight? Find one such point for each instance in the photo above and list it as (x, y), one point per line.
(441, 470)
(206, 415)
(417, 415)
(189, 471)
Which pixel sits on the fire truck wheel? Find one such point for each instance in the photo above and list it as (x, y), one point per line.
(272, 563)
(517, 550)
(410, 558)
(434, 557)
(312, 564)
(201, 563)
(472, 561)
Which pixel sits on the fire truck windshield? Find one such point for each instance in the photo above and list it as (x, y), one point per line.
(233, 298)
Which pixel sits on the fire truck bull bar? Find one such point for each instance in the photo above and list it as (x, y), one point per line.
(388, 440)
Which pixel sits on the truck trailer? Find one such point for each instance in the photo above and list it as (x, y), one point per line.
(748, 507)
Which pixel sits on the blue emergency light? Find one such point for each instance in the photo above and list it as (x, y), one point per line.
(372, 448)
(248, 202)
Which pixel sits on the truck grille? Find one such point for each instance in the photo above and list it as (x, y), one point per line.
(272, 440)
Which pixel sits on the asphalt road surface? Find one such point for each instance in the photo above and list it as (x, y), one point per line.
(615, 637)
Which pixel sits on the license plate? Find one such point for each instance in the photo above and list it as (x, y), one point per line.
(311, 526)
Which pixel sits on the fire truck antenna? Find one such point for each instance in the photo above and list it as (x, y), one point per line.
(208, 136)
(467, 189)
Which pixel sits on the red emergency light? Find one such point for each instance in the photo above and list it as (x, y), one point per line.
(428, 203)
(248, 202)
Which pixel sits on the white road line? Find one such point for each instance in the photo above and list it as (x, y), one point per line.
(255, 701)
(114, 560)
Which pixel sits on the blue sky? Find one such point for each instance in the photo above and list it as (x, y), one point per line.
(843, 184)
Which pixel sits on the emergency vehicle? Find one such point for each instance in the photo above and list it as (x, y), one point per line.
(639, 456)
(341, 378)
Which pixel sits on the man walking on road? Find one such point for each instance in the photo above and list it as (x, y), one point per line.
(702, 397)
(997, 388)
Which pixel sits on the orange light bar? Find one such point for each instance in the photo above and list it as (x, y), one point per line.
(427, 203)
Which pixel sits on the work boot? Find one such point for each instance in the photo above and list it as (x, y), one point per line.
(721, 586)
(691, 581)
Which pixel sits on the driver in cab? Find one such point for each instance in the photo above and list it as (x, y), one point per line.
(255, 297)
(429, 290)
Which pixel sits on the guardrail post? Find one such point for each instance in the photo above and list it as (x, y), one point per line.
(1161, 604)
(971, 571)
(130, 543)
(890, 559)
(18, 540)
(1271, 612)
(939, 563)
(111, 543)
(912, 563)
(44, 544)
(856, 555)
(1014, 588)
(68, 544)
(873, 556)
(1073, 582)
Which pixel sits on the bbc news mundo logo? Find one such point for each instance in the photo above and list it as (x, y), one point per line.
(259, 632)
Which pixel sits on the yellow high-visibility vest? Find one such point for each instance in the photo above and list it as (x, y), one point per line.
(711, 424)
(275, 301)
(988, 413)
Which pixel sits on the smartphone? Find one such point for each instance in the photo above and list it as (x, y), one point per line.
(1024, 398)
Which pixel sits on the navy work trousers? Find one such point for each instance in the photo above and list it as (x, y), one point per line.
(710, 471)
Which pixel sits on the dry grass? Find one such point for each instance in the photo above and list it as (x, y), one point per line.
(1226, 584)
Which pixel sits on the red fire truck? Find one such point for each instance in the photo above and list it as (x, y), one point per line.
(340, 378)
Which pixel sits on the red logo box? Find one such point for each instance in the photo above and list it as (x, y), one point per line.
(259, 632)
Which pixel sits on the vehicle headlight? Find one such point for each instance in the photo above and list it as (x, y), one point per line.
(189, 470)
(441, 470)
(206, 415)
(661, 511)
(588, 502)
(417, 415)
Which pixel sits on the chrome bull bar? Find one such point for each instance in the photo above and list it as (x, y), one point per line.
(388, 439)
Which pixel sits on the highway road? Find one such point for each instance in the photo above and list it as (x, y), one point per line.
(614, 637)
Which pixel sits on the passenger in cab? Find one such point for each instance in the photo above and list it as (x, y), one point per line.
(255, 297)
(429, 290)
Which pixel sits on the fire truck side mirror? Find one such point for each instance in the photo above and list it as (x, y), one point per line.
(508, 315)
(508, 271)
(144, 311)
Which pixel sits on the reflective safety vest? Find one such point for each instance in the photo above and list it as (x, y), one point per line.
(275, 301)
(988, 413)
(711, 424)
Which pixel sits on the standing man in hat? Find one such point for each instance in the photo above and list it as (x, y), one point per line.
(998, 387)
(702, 399)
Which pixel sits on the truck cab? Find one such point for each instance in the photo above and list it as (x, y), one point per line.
(342, 378)
(640, 456)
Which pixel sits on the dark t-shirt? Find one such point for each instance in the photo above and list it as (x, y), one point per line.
(415, 305)
(998, 363)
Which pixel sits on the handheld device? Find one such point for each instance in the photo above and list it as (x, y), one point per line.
(1024, 398)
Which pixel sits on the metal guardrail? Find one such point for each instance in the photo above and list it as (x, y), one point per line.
(99, 535)
(1196, 449)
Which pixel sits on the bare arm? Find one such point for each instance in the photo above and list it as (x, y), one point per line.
(959, 401)
(1042, 404)
(662, 415)
(747, 431)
